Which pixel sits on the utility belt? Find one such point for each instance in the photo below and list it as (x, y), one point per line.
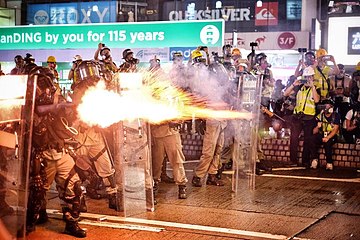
(197, 126)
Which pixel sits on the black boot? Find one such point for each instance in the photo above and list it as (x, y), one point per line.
(116, 201)
(262, 166)
(43, 217)
(72, 228)
(182, 192)
(196, 181)
(220, 171)
(71, 217)
(212, 180)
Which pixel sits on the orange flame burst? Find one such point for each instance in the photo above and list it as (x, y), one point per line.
(155, 102)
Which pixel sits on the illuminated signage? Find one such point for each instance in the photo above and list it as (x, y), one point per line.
(354, 40)
(267, 14)
(237, 14)
(117, 35)
(71, 13)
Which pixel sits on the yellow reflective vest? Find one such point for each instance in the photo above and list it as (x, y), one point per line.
(321, 82)
(305, 101)
(326, 126)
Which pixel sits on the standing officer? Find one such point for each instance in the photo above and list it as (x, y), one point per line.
(167, 140)
(19, 67)
(50, 160)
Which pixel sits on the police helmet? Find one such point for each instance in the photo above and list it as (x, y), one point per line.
(259, 57)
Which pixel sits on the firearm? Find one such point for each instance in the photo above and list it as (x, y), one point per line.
(52, 108)
(270, 114)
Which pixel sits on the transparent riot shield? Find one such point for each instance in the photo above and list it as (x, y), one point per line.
(132, 158)
(245, 144)
(16, 117)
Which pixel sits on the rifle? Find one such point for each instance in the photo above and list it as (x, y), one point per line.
(270, 114)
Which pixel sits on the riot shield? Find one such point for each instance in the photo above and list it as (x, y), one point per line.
(17, 97)
(132, 158)
(245, 143)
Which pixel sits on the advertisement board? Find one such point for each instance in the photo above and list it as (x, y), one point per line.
(270, 40)
(71, 13)
(354, 40)
(244, 16)
(342, 39)
(119, 35)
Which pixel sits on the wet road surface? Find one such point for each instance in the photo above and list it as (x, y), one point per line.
(296, 204)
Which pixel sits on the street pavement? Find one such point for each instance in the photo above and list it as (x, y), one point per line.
(285, 204)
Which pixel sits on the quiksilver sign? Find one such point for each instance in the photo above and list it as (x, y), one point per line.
(236, 14)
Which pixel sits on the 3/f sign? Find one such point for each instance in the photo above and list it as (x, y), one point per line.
(286, 40)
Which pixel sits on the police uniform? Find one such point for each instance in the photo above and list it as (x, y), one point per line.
(167, 140)
(93, 145)
(211, 152)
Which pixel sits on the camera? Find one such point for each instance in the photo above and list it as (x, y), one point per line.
(303, 81)
(326, 57)
(216, 57)
(253, 44)
(302, 50)
(103, 44)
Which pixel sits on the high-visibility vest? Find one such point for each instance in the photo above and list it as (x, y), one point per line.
(326, 126)
(305, 102)
(321, 82)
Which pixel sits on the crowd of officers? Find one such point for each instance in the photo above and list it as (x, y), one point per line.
(89, 164)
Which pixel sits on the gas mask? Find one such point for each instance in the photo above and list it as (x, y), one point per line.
(105, 57)
(329, 110)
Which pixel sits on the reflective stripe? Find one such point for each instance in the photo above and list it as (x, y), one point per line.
(305, 97)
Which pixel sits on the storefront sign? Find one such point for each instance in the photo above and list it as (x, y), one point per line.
(185, 51)
(237, 14)
(126, 35)
(354, 40)
(71, 13)
(270, 40)
(286, 40)
(242, 16)
(267, 14)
